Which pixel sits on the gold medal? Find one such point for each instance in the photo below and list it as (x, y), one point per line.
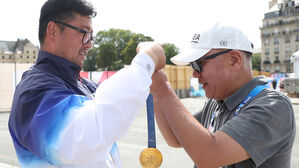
(150, 158)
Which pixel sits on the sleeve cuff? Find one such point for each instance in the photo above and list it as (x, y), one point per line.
(144, 61)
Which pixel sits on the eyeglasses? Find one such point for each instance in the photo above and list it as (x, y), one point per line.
(196, 65)
(87, 37)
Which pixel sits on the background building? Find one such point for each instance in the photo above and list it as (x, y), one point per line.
(20, 51)
(280, 36)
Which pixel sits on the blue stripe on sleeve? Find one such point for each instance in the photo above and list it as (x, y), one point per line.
(45, 128)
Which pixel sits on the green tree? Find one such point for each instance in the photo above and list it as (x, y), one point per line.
(118, 37)
(124, 42)
(117, 65)
(256, 61)
(130, 51)
(170, 51)
(107, 55)
(90, 61)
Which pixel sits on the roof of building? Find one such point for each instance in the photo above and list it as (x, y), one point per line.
(13, 46)
(7, 45)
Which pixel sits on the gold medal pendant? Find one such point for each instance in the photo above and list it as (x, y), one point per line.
(150, 157)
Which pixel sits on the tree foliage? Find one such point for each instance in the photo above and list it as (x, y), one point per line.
(130, 51)
(256, 61)
(170, 51)
(107, 55)
(118, 37)
(116, 47)
(90, 61)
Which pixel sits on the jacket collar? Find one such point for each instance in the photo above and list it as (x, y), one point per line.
(58, 66)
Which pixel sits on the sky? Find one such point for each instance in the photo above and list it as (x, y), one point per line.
(166, 21)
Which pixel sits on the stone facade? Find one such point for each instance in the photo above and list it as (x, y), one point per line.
(280, 36)
(20, 51)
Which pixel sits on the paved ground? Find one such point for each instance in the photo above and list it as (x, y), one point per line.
(135, 141)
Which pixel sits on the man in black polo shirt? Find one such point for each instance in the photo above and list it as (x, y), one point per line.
(243, 123)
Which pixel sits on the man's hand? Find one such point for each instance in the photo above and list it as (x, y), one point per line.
(155, 51)
(160, 83)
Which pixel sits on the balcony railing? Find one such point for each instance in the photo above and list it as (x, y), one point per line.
(276, 61)
(267, 62)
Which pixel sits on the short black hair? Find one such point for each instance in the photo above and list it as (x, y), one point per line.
(62, 10)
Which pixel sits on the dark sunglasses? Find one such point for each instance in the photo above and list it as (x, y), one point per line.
(87, 36)
(196, 65)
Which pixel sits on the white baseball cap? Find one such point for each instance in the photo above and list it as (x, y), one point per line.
(218, 37)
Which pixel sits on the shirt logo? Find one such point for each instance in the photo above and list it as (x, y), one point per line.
(195, 38)
(148, 67)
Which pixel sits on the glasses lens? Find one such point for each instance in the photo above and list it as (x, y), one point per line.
(93, 40)
(195, 66)
(89, 38)
(86, 38)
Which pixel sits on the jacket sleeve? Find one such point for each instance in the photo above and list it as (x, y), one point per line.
(78, 129)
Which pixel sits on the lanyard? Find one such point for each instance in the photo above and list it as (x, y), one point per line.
(151, 122)
(253, 93)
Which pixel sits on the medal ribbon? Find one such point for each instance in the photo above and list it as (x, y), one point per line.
(151, 122)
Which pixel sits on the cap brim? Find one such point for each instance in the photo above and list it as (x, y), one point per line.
(191, 55)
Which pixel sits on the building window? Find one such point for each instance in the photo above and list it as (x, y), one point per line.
(27, 51)
(288, 49)
(9, 57)
(297, 47)
(297, 37)
(27, 57)
(21, 56)
(266, 41)
(267, 68)
(288, 69)
(266, 23)
(33, 52)
(34, 57)
(288, 39)
(276, 50)
(276, 40)
(3, 57)
(267, 51)
(267, 61)
(266, 33)
(276, 61)
(277, 68)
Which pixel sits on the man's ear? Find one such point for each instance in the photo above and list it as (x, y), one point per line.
(235, 59)
(52, 29)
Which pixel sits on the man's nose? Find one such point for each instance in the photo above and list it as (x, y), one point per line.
(88, 45)
(196, 74)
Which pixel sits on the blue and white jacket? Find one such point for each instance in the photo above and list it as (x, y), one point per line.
(61, 120)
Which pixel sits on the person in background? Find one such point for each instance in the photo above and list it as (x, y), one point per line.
(243, 123)
(274, 84)
(59, 119)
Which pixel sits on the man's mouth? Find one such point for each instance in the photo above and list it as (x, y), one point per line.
(203, 83)
(83, 53)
